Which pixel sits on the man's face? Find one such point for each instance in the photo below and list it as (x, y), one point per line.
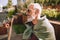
(30, 10)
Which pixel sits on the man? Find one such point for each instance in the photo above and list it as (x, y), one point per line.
(34, 20)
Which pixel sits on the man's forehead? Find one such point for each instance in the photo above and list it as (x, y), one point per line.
(31, 5)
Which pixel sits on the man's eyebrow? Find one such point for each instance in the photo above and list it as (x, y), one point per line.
(29, 10)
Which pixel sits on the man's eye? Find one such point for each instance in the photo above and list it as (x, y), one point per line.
(29, 10)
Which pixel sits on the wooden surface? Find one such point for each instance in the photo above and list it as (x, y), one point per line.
(55, 22)
(3, 36)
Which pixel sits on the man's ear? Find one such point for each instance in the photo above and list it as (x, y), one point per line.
(37, 11)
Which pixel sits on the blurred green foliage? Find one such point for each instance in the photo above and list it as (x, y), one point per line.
(51, 14)
(19, 28)
(10, 13)
(9, 3)
(48, 2)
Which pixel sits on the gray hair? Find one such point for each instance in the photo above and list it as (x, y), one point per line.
(37, 6)
(30, 4)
